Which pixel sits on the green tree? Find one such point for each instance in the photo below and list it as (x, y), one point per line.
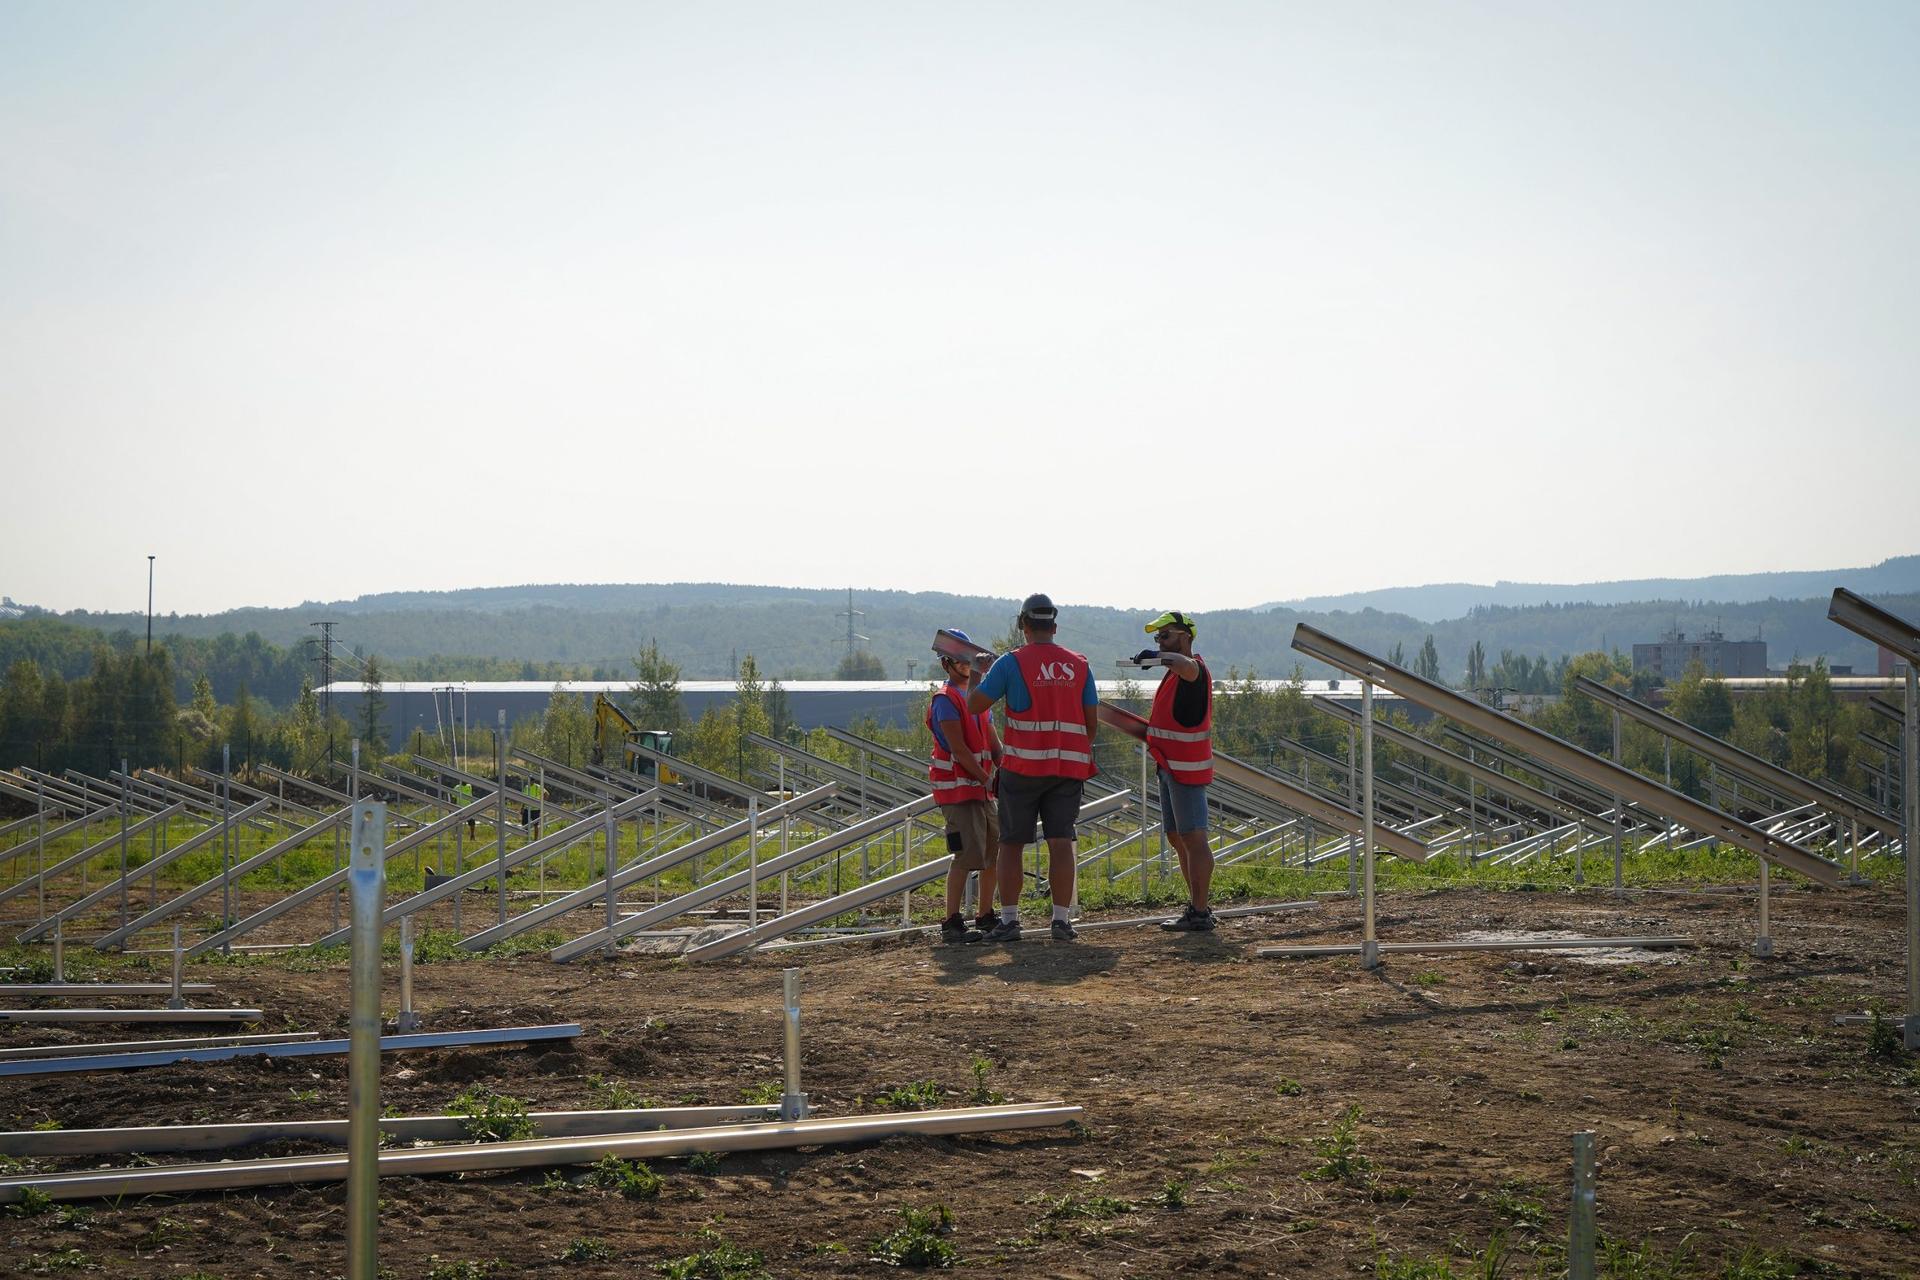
(1427, 664)
(860, 665)
(779, 713)
(654, 701)
(566, 729)
(1476, 667)
(373, 713)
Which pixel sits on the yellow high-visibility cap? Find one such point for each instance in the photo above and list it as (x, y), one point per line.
(1173, 618)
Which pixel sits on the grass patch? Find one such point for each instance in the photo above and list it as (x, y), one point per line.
(704, 1162)
(1174, 1194)
(613, 1095)
(919, 1241)
(918, 1096)
(1520, 1205)
(460, 1270)
(1288, 1087)
(630, 1178)
(983, 1095)
(586, 1249)
(486, 1116)
(765, 1094)
(1339, 1152)
(717, 1259)
(1489, 1264)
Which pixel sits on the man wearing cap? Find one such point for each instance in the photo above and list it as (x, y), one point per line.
(1052, 714)
(1180, 740)
(965, 755)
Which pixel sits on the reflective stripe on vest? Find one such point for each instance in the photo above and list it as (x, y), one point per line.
(1185, 753)
(950, 786)
(1049, 738)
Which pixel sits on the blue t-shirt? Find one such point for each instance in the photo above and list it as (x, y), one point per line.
(1003, 680)
(943, 711)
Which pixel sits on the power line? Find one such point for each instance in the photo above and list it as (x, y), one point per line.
(326, 678)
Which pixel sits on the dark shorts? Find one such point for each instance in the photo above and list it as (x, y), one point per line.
(1182, 807)
(972, 829)
(1051, 803)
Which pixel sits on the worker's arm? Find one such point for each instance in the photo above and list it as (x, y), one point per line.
(963, 757)
(984, 691)
(1092, 708)
(1181, 665)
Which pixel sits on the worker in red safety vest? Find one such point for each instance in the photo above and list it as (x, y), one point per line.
(1180, 740)
(965, 755)
(1053, 711)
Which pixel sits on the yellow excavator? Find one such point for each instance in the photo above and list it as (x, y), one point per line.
(613, 729)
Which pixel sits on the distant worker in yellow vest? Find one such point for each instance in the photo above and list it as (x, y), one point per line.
(462, 797)
(1180, 740)
(530, 807)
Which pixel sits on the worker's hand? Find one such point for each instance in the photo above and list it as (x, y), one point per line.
(1146, 655)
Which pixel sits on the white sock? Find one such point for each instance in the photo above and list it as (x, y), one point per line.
(1010, 915)
(1063, 913)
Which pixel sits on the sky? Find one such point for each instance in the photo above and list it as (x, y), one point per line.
(1218, 302)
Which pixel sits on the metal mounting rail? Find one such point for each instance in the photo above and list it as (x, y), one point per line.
(186, 899)
(570, 834)
(78, 824)
(334, 879)
(701, 895)
(1765, 772)
(899, 882)
(1491, 778)
(431, 1128)
(92, 851)
(641, 870)
(75, 910)
(1594, 769)
(299, 1049)
(1279, 790)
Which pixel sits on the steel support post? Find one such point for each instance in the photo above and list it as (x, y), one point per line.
(123, 842)
(1910, 850)
(407, 1020)
(753, 864)
(40, 851)
(1619, 831)
(906, 864)
(366, 878)
(59, 952)
(793, 1103)
(226, 845)
(178, 998)
(500, 789)
(613, 860)
(1581, 1238)
(1145, 765)
(1353, 797)
(785, 830)
(1369, 943)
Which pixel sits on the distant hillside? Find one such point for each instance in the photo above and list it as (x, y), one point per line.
(798, 634)
(1897, 576)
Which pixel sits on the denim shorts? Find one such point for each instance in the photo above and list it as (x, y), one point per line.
(1182, 807)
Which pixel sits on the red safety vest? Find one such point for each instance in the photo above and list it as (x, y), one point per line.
(950, 786)
(1049, 738)
(1186, 754)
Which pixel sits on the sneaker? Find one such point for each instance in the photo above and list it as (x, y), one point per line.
(1063, 931)
(1005, 931)
(987, 923)
(955, 933)
(1192, 920)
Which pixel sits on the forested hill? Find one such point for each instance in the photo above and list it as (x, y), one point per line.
(1897, 576)
(548, 632)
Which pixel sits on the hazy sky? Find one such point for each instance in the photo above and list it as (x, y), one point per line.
(1206, 303)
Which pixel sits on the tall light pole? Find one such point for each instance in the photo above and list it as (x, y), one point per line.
(149, 606)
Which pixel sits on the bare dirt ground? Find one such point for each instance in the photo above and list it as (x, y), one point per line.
(1733, 1117)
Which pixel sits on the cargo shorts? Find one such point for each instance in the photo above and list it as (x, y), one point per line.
(973, 830)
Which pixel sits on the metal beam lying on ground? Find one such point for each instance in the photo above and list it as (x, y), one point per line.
(1597, 771)
(129, 1015)
(899, 882)
(1765, 772)
(183, 900)
(304, 1049)
(1498, 944)
(22, 1052)
(640, 870)
(150, 867)
(701, 895)
(228, 1137)
(100, 988)
(538, 1152)
(1279, 790)
(334, 879)
(573, 833)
